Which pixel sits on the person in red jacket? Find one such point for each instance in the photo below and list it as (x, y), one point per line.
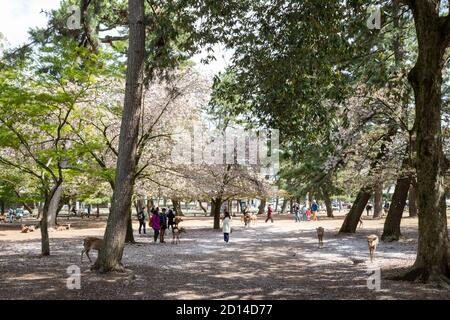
(269, 213)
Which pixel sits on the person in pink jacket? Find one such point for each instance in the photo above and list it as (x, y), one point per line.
(156, 225)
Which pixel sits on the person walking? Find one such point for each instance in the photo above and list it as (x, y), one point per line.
(368, 208)
(156, 224)
(163, 225)
(226, 227)
(269, 213)
(296, 209)
(141, 219)
(170, 218)
(314, 209)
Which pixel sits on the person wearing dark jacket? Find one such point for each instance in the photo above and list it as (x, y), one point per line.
(163, 225)
(141, 219)
(170, 218)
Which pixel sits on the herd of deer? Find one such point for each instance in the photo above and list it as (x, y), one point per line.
(94, 243)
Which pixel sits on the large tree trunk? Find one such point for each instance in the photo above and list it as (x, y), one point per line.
(2, 207)
(412, 201)
(216, 203)
(378, 201)
(328, 204)
(284, 205)
(110, 256)
(352, 219)
(177, 205)
(433, 35)
(391, 231)
(262, 206)
(129, 238)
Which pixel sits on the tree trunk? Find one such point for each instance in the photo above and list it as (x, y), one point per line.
(412, 201)
(352, 219)
(378, 202)
(129, 238)
(328, 204)
(52, 209)
(98, 211)
(391, 231)
(43, 224)
(2, 207)
(110, 256)
(177, 205)
(262, 206)
(202, 207)
(433, 37)
(284, 205)
(276, 204)
(216, 203)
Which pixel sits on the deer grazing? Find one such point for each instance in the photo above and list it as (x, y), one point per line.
(372, 241)
(26, 229)
(176, 233)
(90, 243)
(320, 233)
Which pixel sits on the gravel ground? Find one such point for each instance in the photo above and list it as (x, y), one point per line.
(266, 261)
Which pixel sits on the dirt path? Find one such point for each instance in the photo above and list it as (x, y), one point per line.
(266, 261)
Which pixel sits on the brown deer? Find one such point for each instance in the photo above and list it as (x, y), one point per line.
(26, 229)
(176, 233)
(372, 241)
(90, 243)
(320, 233)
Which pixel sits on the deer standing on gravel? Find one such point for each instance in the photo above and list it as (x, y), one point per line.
(90, 243)
(320, 233)
(372, 241)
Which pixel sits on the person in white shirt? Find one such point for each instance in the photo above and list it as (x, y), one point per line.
(226, 227)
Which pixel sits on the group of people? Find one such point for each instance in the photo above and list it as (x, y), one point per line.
(158, 221)
(304, 213)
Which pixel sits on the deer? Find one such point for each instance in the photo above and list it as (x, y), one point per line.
(320, 233)
(176, 232)
(2, 218)
(63, 227)
(246, 219)
(26, 229)
(372, 241)
(90, 243)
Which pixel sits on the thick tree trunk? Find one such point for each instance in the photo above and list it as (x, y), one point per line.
(378, 201)
(426, 79)
(129, 238)
(328, 204)
(391, 231)
(412, 201)
(284, 205)
(98, 211)
(2, 207)
(262, 206)
(177, 205)
(352, 219)
(276, 204)
(216, 203)
(110, 256)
